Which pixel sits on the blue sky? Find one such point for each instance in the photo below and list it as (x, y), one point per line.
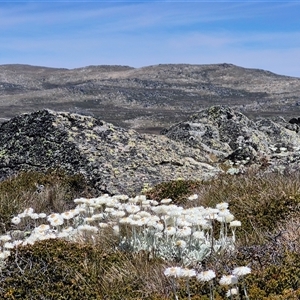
(71, 34)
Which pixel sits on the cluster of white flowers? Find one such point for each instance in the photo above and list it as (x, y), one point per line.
(207, 276)
(165, 229)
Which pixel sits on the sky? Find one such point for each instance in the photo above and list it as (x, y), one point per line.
(72, 34)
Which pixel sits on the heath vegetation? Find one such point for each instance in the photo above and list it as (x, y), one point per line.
(234, 236)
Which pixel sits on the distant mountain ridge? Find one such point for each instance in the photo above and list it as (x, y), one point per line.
(148, 98)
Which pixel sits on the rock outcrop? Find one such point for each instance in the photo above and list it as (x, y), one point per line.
(230, 136)
(114, 160)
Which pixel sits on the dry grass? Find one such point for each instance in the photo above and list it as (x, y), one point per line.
(23, 191)
(268, 241)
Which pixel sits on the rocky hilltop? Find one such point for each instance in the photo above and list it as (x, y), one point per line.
(113, 159)
(117, 160)
(147, 99)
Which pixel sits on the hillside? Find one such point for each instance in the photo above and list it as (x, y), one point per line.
(146, 99)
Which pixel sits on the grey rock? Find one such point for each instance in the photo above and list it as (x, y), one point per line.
(116, 160)
(112, 159)
(232, 137)
(221, 131)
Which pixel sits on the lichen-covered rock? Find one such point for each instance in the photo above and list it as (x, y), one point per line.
(231, 136)
(222, 131)
(113, 159)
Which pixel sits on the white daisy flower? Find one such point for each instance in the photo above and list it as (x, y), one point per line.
(181, 244)
(16, 220)
(185, 272)
(8, 245)
(173, 272)
(28, 211)
(132, 209)
(166, 201)
(67, 215)
(228, 280)
(42, 215)
(206, 275)
(170, 230)
(184, 232)
(232, 292)
(193, 197)
(88, 228)
(222, 205)
(4, 254)
(57, 221)
(235, 223)
(5, 238)
(241, 271)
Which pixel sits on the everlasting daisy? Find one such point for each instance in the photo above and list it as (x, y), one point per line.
(241, 271)
(188, 273)
(206, 275)
(42, 215)
(222, 205)
(184, 232)
(97, 217)
(132, 209)
(109, 210)
(181, 244)
(4, 254)
(103, 225)
(88, 228)
(235, 224)
(88, 219)
(121, 197)
(229, 218)
(232, 292)
(28, 211)
(67, 215)
(228, 280)
(57, 221)
(42, 228)
(118, 213)
(53, 216)
(80, 200)
(125, 220)
(166, 201)
(193, 197)
(16, 220)
(8, 245)
(5, 238)
(199, 235)
(170, 230)
(35, 216)
(161, 209)
(116, 230)
(173, 272)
